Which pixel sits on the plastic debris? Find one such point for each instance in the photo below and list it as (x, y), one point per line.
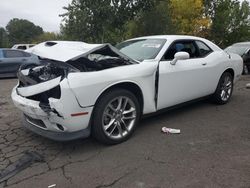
(24, 162)
(248, 86)
(170, 130)
(51, 186)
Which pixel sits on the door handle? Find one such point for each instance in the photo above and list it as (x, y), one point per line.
(204, 64)
(24, 59)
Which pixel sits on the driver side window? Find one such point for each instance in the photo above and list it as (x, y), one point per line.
(181, 46)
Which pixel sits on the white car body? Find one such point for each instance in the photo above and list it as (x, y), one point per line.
(161, 84)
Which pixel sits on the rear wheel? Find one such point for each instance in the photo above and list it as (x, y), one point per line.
(115, 117)
(224, 89)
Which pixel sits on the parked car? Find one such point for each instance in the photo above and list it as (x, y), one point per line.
(98, 89)
(22, 46)
(11, 60)
(242, 49)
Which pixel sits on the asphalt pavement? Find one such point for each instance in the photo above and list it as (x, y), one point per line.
(213, 150)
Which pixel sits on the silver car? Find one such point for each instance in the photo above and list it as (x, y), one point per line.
(11, 60)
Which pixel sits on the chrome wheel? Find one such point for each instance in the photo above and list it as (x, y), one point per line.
(119, 117)
(226, 88)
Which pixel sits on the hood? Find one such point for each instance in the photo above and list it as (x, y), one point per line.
(72, 50)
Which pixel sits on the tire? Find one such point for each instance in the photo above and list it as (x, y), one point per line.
(114, 123)
(245, 70)
(224, 89)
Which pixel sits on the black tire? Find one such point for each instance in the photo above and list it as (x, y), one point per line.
(100, 110)
(245, 70)
(218, 95)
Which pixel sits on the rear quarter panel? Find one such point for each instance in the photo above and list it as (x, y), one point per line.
(236, 62)
(224, 62)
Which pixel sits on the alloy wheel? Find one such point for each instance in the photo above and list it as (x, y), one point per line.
(119, 117)
(226, 88)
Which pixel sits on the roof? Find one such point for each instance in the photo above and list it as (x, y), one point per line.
(168, 37)
(11, 49)
(180, 37)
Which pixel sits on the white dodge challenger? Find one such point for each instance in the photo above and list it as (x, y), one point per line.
(97, 89)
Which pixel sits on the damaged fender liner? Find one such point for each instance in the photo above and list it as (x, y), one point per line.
(38, 88)
(36, 93)
(47, 109)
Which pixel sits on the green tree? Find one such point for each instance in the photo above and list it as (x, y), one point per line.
(47, 36)
(99, 20)
(22, 31)
(189, 17)
(154, 21)
(230, 22)
(3, 38)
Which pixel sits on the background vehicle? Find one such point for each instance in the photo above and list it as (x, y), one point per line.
(242, 49)
(11, 60)
(22, 46)
(98, 89)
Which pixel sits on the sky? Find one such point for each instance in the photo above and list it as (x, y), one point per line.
(44, 13)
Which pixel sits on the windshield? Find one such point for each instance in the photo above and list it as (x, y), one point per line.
(141, 49)
(240, 50)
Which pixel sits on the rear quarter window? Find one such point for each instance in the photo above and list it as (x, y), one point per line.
(203, 48)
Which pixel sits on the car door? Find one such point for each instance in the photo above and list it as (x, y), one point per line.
(12, 60)
(187, 79)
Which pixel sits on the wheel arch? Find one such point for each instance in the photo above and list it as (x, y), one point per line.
(231, 71)
(131, 86)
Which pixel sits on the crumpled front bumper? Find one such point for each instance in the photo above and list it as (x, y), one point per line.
(58, 121)
(54, 135)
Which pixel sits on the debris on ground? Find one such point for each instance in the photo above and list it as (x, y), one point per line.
(248, 86)
(24, 162)
(51, 186)
(170, 130)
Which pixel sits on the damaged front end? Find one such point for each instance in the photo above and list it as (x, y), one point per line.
(44, 95)
(40, 83)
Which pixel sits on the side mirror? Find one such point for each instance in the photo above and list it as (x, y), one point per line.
(180, 56)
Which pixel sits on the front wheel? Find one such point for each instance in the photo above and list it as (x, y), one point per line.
(115, 117)
(224, 89)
